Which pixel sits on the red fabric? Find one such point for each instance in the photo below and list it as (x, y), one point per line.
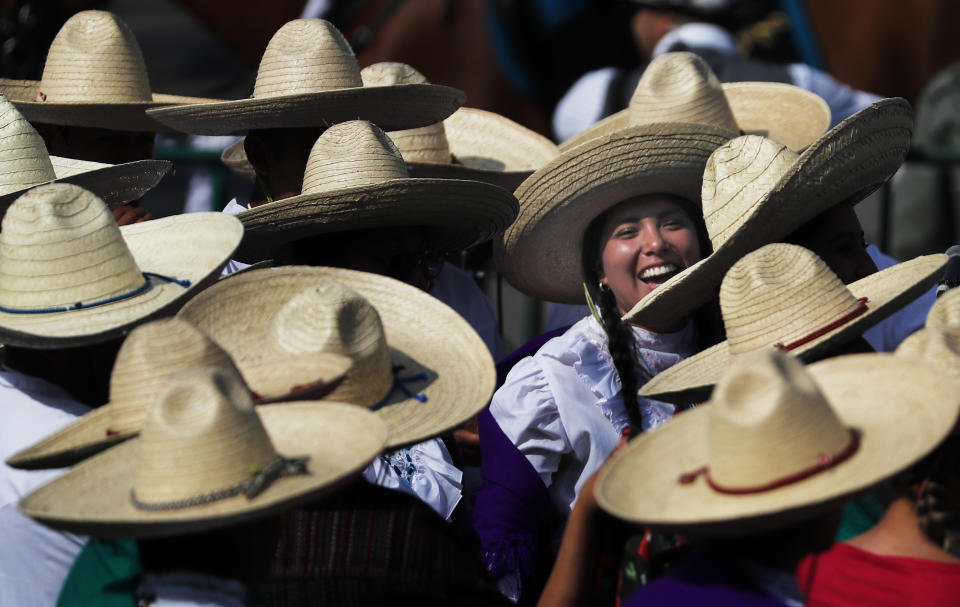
(846, 575)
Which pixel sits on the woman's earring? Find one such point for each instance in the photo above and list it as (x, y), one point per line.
(603, 286)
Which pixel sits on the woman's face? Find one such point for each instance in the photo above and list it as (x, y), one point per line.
(645, 241)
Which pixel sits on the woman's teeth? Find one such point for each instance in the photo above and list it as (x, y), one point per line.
(657, 271)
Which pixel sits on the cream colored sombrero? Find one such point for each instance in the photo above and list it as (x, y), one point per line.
(207, 458)
(784, 296)
(69, 276)
(681, 87)
(356, 179)
(539, 253)
(757, 191)
(945, 312)
(416, 361)
(94, 76)
(24, 163)
(779, 443)
(309, 77)
(939, 346)
(148, 358)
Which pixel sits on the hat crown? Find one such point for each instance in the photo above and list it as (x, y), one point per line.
(778, 294)
(769, 421)
(940, 346)
(148, 358)
(306, 56)
(202, 436)
(94, 58)
(59, 245)
(945, 312)
(22, 152)
(738, 175)
(331, 318)
(352, 154)
(680, 87)
(426, 144)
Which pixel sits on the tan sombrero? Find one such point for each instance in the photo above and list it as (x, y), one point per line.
(309, 77)
(69, 276)
(415, 360)
(539, 253)
(24, 163)
(939, 346)
(356, 179)
(780, 443)
(757, 191)
(783, 295)
(945, 312)
(207, 458)
(681, 87)
(94, 76)
(148, 358)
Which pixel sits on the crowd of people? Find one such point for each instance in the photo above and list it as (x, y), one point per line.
(281, 403)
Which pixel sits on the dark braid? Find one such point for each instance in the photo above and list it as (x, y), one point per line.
(620, 340)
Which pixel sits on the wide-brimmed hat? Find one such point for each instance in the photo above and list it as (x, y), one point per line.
(69, 276)
(784, 296)
(416, 361)
(94, 76)
(945, 312)
(207, 458)
(148, 358)
(309, 77)
(25, 164)
(681, 87)
(937, 345)
(539, 253)
(356, 179)
(757, 191)
(779, 443)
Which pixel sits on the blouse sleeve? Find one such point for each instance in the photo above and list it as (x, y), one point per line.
(525, 409)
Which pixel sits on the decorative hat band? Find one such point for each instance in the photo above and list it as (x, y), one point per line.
(80, 305)
(858, 311)
(824, 462)
(399, 383)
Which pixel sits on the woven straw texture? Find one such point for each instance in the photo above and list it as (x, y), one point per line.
(374, 320)
(356, 179)
(539, 253)
(781, 293)
(26, 164)
(772, 418)
(945, 312)
(308, 77)
(940, 346)
(59, 245)
(681, 87)
(204, 435)
(754, 195)
(94, 76)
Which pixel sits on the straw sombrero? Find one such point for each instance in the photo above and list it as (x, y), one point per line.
(309, 77)
(356, 179)
(24, 163)
(945, 312)
(539, 253)
(148, 358)
(392, 331)
(69, 276)
(783, 295)
(94, 76)
(207, 458)
(940, 346)
(780, 443)
(757, 191)
(681, 87)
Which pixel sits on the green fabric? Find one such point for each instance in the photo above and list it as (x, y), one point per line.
(105, 574)
(859, 516)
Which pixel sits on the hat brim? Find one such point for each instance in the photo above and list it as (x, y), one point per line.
(457, 214)
(847, 164)
(113, 116)
(422, 333)
(94, 497)
(194, 247)
(785, 113)
(539, 253)
(693, 379)
(902, 409)
(115, 184)
(392, 108)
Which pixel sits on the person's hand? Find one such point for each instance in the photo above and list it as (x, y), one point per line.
(468, 440)
(126, 214)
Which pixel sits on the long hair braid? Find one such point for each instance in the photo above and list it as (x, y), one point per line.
(621, 344)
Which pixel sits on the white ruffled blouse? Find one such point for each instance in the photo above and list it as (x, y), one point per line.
(563, 409)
